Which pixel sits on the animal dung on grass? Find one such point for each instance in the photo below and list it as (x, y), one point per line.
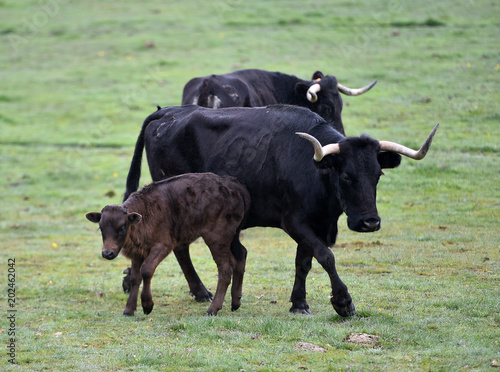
(305, 346)
(169, 215)
(362, 339)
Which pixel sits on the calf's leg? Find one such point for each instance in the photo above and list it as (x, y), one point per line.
(135, 282)
(221, 253)
(156, 255)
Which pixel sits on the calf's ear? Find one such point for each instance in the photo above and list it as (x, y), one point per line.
(94, 217)
(134, 218)
(388, 159)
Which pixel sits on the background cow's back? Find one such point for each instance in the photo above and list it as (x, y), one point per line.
(254, 88)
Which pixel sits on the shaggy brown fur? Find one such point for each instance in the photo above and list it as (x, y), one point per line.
(154, 221)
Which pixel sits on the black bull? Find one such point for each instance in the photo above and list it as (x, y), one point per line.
(288, 189)
(255, 88)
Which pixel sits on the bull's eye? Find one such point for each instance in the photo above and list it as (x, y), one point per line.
(345, 179)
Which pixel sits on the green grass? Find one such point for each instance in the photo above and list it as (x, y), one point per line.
(78, 79)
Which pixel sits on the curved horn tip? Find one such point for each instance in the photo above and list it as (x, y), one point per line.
(406, 151)
(355, 92)
(427, 144)
(308, 137)
(431, 135)
(311, 97)
(318, 149)
(312, 92)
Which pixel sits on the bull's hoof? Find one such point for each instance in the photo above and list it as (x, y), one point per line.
(210, 313)
(147, 309)
(235, 307)
(345, 310)
(302, 309)
(202, 296)
(128, 313)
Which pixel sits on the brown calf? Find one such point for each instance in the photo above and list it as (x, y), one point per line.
(157, 219)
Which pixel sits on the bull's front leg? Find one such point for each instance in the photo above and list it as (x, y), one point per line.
(196, 287)
(135, 282)
(309, 243)
(341, 299)
(156, 255)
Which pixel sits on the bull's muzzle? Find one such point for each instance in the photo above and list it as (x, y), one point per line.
(364, 225)
(370, 225)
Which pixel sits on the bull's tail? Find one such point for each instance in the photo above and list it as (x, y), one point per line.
(134, 173)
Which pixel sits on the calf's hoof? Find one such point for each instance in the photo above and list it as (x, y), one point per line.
(235, 307)
(344, 310)
(147, 309)
(210, 313)
(301, 309)
(128, 313)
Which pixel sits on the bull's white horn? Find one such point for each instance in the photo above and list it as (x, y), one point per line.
(403, 150)
(355, 92)
(320, 151)
(312, 91)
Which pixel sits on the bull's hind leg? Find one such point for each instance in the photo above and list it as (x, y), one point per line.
(135, 282)
(196, 287)
(303, 261)
(240, 254)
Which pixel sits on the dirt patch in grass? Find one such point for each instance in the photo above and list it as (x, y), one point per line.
(362, 339)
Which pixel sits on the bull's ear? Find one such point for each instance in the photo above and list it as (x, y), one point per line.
(318, 75)
(134, 218)
(94, 217)
(301, 88)
(388, 159)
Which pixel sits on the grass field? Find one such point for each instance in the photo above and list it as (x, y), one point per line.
(78, 79)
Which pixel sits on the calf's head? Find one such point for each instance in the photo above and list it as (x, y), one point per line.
(355, 165)
(114, 222)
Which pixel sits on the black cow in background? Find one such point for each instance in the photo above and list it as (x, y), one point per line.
(288, 189)
(255, 88)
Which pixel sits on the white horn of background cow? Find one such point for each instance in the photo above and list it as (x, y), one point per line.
(403, 150)
(311, 92)
(320, 151)
(355, 92)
